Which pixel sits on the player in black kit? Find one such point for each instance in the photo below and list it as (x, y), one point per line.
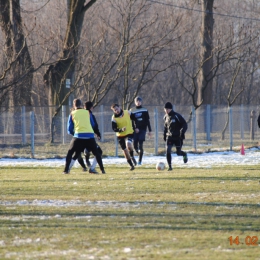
(175, 127)
(141, 120)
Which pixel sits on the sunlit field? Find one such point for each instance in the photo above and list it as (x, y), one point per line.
(189, 213)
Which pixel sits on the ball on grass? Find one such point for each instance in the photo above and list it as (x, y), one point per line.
(160, 166)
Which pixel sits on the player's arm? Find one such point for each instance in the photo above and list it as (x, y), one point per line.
(70, 126)
(184, 126)
(115, 128)
(133, 119)
(165, 130)
(95, 126)
(132, 115)
(148, 122)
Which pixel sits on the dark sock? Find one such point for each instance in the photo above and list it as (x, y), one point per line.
(130, 162)
(169, 158)
(81, 162)
(99, 161)
(140, 156)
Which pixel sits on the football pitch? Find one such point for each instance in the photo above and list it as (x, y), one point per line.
(189, 213)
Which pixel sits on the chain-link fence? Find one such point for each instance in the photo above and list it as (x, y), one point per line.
(31, 131)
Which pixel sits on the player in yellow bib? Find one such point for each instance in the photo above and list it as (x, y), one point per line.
(122, 125)
(80, 126)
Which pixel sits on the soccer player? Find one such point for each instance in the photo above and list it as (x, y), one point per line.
(89, 106)
(79, 125)
(175, 127)
(122, 125)
(141, 119)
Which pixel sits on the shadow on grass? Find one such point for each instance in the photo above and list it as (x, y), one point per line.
(198, 178)
(138, 178)
(126, 217)
(205, 222)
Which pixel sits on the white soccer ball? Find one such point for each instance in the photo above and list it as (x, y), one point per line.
(160, 166)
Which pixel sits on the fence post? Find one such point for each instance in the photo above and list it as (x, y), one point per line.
(155, 131)
(252, 125)
(242, 129)
(32, 133)
(208, 122)
(102, 123)
(63, 121)
(194, 130)
(23, 126)
(230, 129)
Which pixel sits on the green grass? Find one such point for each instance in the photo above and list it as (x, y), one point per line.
(184, 214)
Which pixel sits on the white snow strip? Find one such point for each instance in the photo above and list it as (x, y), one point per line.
(205, 160)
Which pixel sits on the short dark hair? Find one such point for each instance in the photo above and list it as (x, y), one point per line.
(88, 105)
(114, 105)
(77, 102)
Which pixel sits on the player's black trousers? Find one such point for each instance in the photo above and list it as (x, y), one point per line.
(78, 145)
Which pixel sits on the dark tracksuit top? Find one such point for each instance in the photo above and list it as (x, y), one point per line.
(175, 126)
(140, 116)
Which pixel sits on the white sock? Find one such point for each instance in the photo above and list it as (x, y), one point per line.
(94, 163)
(71, 164)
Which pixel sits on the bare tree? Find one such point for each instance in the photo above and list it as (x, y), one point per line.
(64, 68)
(56, 75)
(17, 57)
(130, 50)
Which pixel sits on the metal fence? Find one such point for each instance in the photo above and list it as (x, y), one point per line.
(27, 130)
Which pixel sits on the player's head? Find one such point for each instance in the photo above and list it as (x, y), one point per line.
(76, 103)
(168, 107)
(138, 101)
(88, 105)
(116, 108)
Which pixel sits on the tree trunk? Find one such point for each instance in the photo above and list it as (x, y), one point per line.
(205, 77)
(16, 50)
(56, 75)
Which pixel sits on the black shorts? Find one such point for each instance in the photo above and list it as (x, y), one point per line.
(78, 145)
(98, 148)
(122, 140)
(140, 136)
(177, 142)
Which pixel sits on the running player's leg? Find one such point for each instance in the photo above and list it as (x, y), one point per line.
(136, 142)
(87, 156)
(122, 143)
(142, 134)
(169, 145)
(81, 162)
(179, 152)
(141, 152)
(92, 146)
(94, 162)
(72, 149)
(129, 144)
